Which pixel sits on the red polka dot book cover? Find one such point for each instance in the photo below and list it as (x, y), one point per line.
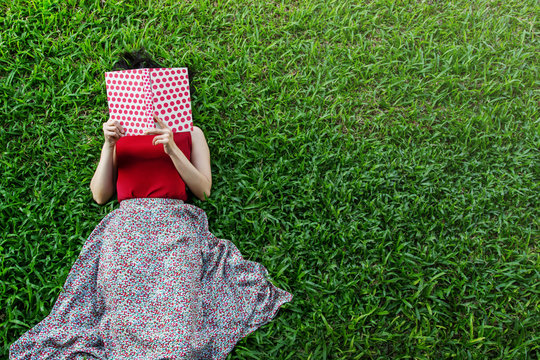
(134, 95)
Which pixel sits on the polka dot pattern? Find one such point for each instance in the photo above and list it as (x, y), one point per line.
(133, 95)
(130, 100)
(152, 282)
(171, 97)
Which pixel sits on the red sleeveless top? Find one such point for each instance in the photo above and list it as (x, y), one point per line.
(146, 171)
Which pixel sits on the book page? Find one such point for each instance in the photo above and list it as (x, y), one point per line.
(130, 99)
(171, 97)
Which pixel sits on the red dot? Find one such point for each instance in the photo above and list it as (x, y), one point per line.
(161, 86)
(176, 122)
(185, 81)
(140, 131)
(168, 97)
(160, 73)
(159, 93)
(173, 83)
(164, 92)
(155, 87)
(132, 124)
(183, 100)
(139, 89)
(137, 77)
(178, 102)
(190, 111)
(176, 78)
(184, 71)
(169, 110)
(187, 105)
(121, 123)
(186, 126)
(181, 107)
(188, 118)
(162, 111)
(185, 112)
(166, 118)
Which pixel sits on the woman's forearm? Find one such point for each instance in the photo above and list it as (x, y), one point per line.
(197, 182)
(102, 184)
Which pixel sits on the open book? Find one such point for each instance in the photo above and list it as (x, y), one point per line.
(134, 95)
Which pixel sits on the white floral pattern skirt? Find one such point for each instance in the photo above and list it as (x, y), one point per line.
(152, 282)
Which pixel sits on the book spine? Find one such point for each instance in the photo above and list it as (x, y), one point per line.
(149, 98)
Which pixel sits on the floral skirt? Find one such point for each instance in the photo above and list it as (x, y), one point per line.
(152, 282)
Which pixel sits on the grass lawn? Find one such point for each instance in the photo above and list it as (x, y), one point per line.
(379, 158)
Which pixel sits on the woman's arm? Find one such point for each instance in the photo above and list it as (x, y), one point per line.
(197, 174)
(102, 184)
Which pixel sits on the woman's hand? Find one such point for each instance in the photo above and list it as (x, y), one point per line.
(165, 136)
(112, 130)
(196, 173)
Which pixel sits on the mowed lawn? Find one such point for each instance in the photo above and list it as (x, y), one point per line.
(379, 158)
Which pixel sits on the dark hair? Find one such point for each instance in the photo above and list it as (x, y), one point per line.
(138, 59)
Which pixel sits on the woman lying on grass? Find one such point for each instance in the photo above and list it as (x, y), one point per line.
(151, 281)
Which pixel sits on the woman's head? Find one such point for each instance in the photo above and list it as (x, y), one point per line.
(138, 59)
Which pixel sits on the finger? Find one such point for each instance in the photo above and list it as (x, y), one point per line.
(159, 140)
(120, 127)
(154, 131)
(114, 129)
(112, 134)
(160, 122)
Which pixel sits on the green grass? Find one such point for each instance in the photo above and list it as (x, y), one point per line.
(380, 158)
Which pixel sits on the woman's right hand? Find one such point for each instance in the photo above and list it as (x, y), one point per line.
(112, 130)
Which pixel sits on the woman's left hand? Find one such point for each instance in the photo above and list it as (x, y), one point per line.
(165, 136)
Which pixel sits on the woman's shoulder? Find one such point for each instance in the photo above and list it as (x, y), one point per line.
(197, 133)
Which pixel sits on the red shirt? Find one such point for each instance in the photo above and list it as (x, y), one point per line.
(146, 171)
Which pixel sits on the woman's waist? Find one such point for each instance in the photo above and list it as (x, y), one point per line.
(148, 203)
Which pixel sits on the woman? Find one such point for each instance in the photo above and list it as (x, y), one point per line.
(151, 281)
